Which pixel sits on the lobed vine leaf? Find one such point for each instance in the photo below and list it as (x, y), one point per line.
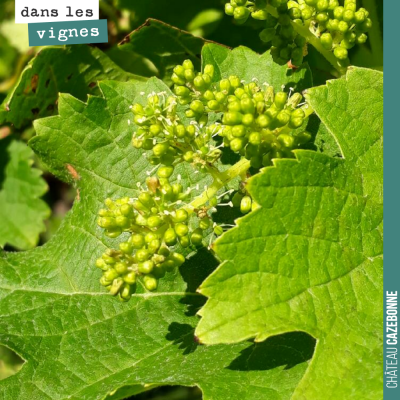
(77, 340)
(21, 210)
(310, 259)
(51, 72)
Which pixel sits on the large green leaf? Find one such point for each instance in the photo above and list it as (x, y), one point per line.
(310, 259)
(78, 341)
(21, 210)
(70, 69)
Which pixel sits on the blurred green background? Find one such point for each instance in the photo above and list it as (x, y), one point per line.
(203, 18)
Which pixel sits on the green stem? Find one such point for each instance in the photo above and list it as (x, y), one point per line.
(219, 182)
(312, 39)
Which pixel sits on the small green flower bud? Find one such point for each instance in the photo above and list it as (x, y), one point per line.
(137, 109)
(229, 9)
(142, 255)
(105, 222)
(199, 82)
(137, 241)
(165, 172)
(113, 233)
(130, 278)
(197, 237)
(248, 119)
(237, 144)
(238, 131)
(150, 282)
(283, 118)
(235, 81)
(184, 241)
(326, 40)
(177, 80)
(178, 259)
(182, 91)
(170, 237)
(286, 140)
(188, 156)
(359, 16)
(154, 221)
(322, 5)
(280, 100)
(110, 274)
(126, 247)
(295, 13)
(204, 223)
(225, 85)
(189, 75)
(362, 38)
(343, 26)
(116, 286)
(218, 230)
(209, 70)
(241, 13)
(187, 64)
(125, 292)
(181, 229)
(232, 118)
(146, 267)
(245, 205)
(263, 121)
(181, 215)
(340, 53)
(197, 106)
(100, 263)
(122, 221)
(180, 71)
(306, 13)
(338, 12)
(121, 268)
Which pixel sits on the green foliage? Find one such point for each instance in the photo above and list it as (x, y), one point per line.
(163, 46)
(76, 323)
(51, 72)
(21, 210)
(166, 151)
(316, 241)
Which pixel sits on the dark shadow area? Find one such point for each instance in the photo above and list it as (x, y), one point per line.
(170, 393)
(4, 158)
(10, 362)
(286, 350)
(196, 269)
(193, 304)
(182, 335)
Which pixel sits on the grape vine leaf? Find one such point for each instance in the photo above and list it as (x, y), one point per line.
(21, 210)
(70, 69)
(164, 46)
(310, 259)
(78, 341)
(249, 65)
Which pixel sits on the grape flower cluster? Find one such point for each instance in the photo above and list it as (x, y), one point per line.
(288, 23)
(252, 120)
